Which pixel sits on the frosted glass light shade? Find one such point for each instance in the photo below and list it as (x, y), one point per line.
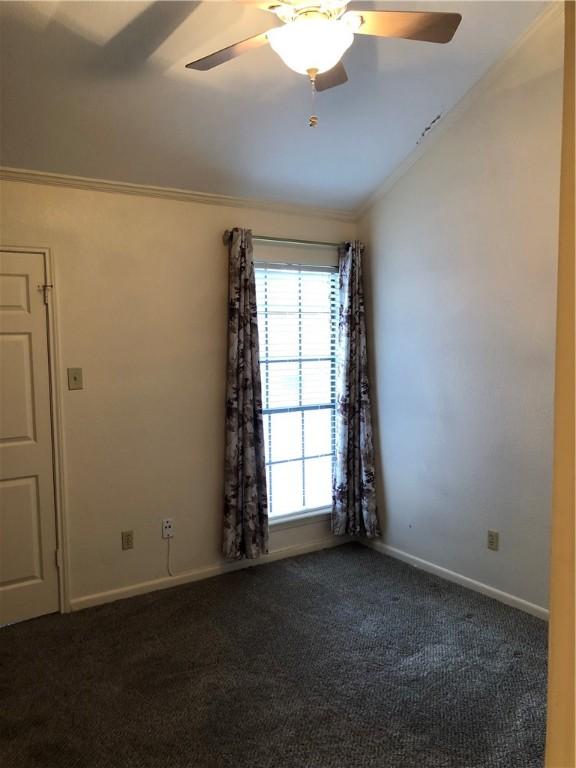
(311, 43)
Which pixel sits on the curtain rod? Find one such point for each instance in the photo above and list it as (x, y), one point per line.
(289, 241)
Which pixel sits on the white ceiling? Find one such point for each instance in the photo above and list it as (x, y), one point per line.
(99, 89)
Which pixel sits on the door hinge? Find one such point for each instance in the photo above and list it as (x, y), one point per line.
(58, 556)
(45, 287)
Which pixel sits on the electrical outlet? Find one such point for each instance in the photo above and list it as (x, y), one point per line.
(493, 541)
(167, 528)
(75, 379)
(127, 539)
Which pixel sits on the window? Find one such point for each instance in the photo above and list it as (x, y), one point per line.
(297, 327)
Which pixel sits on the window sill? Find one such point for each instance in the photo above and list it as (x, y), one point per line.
(299, 518)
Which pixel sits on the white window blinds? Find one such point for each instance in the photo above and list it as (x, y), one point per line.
(297, 322)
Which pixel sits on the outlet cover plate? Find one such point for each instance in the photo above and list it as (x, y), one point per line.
(127, 539)
(167, 528)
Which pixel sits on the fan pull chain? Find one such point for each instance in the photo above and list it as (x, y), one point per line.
(313, 119)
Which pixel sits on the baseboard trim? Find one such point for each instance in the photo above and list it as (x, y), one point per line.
(99, 598)
(458, 578)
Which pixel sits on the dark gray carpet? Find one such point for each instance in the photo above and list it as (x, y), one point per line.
(338, 659)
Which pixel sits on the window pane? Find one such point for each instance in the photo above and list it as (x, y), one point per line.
(283, 289)
(316, 290)
(282, 336)
(317, 432)
(316, 335)
(316, 383)
(286, 487)
(318, 476)
(286, 436)
(284, 385)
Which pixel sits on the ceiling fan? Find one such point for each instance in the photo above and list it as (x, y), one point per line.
(313, 36)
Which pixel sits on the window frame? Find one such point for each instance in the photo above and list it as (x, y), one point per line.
(304, 515)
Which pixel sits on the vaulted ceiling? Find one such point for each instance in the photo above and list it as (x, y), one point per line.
(99, 89)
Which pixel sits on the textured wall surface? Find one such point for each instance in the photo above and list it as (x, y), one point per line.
(462, 290)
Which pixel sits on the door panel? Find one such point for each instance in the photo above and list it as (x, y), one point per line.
(28, 573)
(15, 293)
(20, 544)
(16, 394)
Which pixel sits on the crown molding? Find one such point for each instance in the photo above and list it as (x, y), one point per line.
(554, 9)
(168, 193)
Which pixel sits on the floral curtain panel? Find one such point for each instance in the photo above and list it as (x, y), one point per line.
(245, 532)
(353, 494)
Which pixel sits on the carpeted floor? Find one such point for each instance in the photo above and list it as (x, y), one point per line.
(338, 659)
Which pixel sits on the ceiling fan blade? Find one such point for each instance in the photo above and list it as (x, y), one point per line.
(335, 76)
(431, 27)
(231, 52)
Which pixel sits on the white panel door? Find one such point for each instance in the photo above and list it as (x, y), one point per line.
(28, 572)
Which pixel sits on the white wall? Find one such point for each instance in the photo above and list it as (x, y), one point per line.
(461, 294)
(141, 290)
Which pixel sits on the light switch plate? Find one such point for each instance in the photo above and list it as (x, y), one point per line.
(75, 378)
(493, 540)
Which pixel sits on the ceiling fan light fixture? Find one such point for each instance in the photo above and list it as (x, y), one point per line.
(311, 44)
